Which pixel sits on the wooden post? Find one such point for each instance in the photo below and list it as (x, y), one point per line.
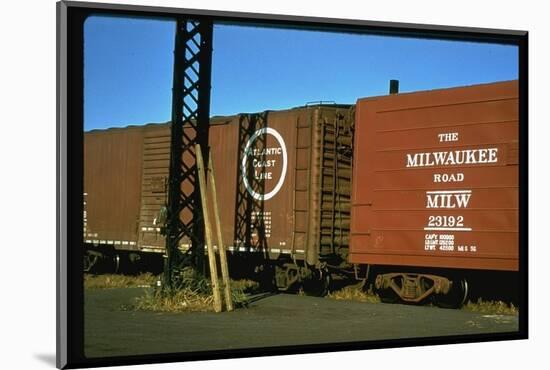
(208, 232)
(221, 246)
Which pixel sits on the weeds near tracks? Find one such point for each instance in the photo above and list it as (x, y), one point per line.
(108, 281)
(194, 294)
(491, 307)
(354, 293)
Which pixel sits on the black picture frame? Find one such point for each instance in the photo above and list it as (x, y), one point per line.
(70, 316)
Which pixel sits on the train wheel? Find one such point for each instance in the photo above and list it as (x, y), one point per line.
(318, 285)
(457, 296)
(286, 277)
(90, 261)
(388, 296)
(116, 264)
(385, 292)
(265, 276)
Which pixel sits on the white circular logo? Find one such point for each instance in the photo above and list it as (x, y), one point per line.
(247, 151)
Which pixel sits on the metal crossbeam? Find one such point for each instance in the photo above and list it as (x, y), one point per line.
(190, 123)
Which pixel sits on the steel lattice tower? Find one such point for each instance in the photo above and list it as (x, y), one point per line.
(190, 123)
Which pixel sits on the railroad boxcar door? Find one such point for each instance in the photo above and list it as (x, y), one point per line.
(154, 186)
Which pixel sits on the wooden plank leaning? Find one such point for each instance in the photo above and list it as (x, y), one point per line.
(208, 231)
(221, 246)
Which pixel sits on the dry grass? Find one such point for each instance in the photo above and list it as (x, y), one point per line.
(183, 300)
(119, 281)
(491, 307)
(354, 293)
(246, 285)
(193, 295)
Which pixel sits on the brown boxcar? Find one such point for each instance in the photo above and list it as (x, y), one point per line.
(112, 186)
(435, 180)
(283, 185)
(279, 189)
(286, 180)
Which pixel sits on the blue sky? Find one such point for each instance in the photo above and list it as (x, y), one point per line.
(128, 66)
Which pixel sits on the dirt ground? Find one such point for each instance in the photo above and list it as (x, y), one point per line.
(277, 320)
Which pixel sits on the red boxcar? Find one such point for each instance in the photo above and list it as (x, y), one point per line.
(435, 179)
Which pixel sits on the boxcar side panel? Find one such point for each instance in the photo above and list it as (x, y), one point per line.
(253, 157)
(270, 181)
(436, 179)
(223, 141)
(112, 183)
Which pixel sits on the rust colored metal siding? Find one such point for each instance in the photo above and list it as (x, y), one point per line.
(112, 184)
(254, 157)
(283, 182)
(275, 175)
(436, 179)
